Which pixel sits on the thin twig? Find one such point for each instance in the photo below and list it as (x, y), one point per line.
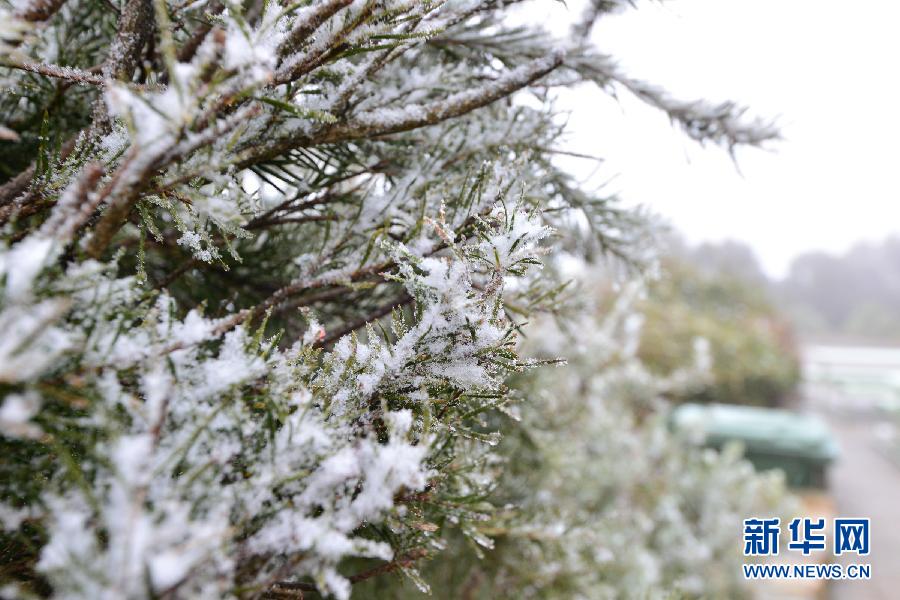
(72, 75)
(355, 324)
(403, 561)
(39, 10)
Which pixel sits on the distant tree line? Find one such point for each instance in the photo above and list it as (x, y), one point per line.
(852, 297)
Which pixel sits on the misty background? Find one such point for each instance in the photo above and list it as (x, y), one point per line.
(848, 298)
(813, 218)
(822, 72)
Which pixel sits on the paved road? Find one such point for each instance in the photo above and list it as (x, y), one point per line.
(865, 483)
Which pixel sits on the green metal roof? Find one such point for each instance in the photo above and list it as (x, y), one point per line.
(761, 430)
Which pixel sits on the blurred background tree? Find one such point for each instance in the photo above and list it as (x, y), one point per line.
(728, 316)
(848, 297)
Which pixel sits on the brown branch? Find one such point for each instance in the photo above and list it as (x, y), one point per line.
(178, 272)
(187, 52)
(77, 204)
(355, 324)
(325, 196)
(311, 22)
(301, 286)
(288, 220)
(124, 189)
(11, 190)
(295, 585)
(39, 10)
(378, 123)
(136, 29)
(403, 561)
(137, 26)
(323, 296)
(281, 591)
(292, 72)
(70, 74)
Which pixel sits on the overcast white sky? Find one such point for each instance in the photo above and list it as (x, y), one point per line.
(827, 70)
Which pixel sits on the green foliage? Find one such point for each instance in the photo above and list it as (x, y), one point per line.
(749, 344)
(598, 497)
(263, 273)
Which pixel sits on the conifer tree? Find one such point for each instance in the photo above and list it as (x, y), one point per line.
(262, 270)
(599, 496)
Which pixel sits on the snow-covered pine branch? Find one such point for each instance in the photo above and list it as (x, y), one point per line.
(261, 281)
